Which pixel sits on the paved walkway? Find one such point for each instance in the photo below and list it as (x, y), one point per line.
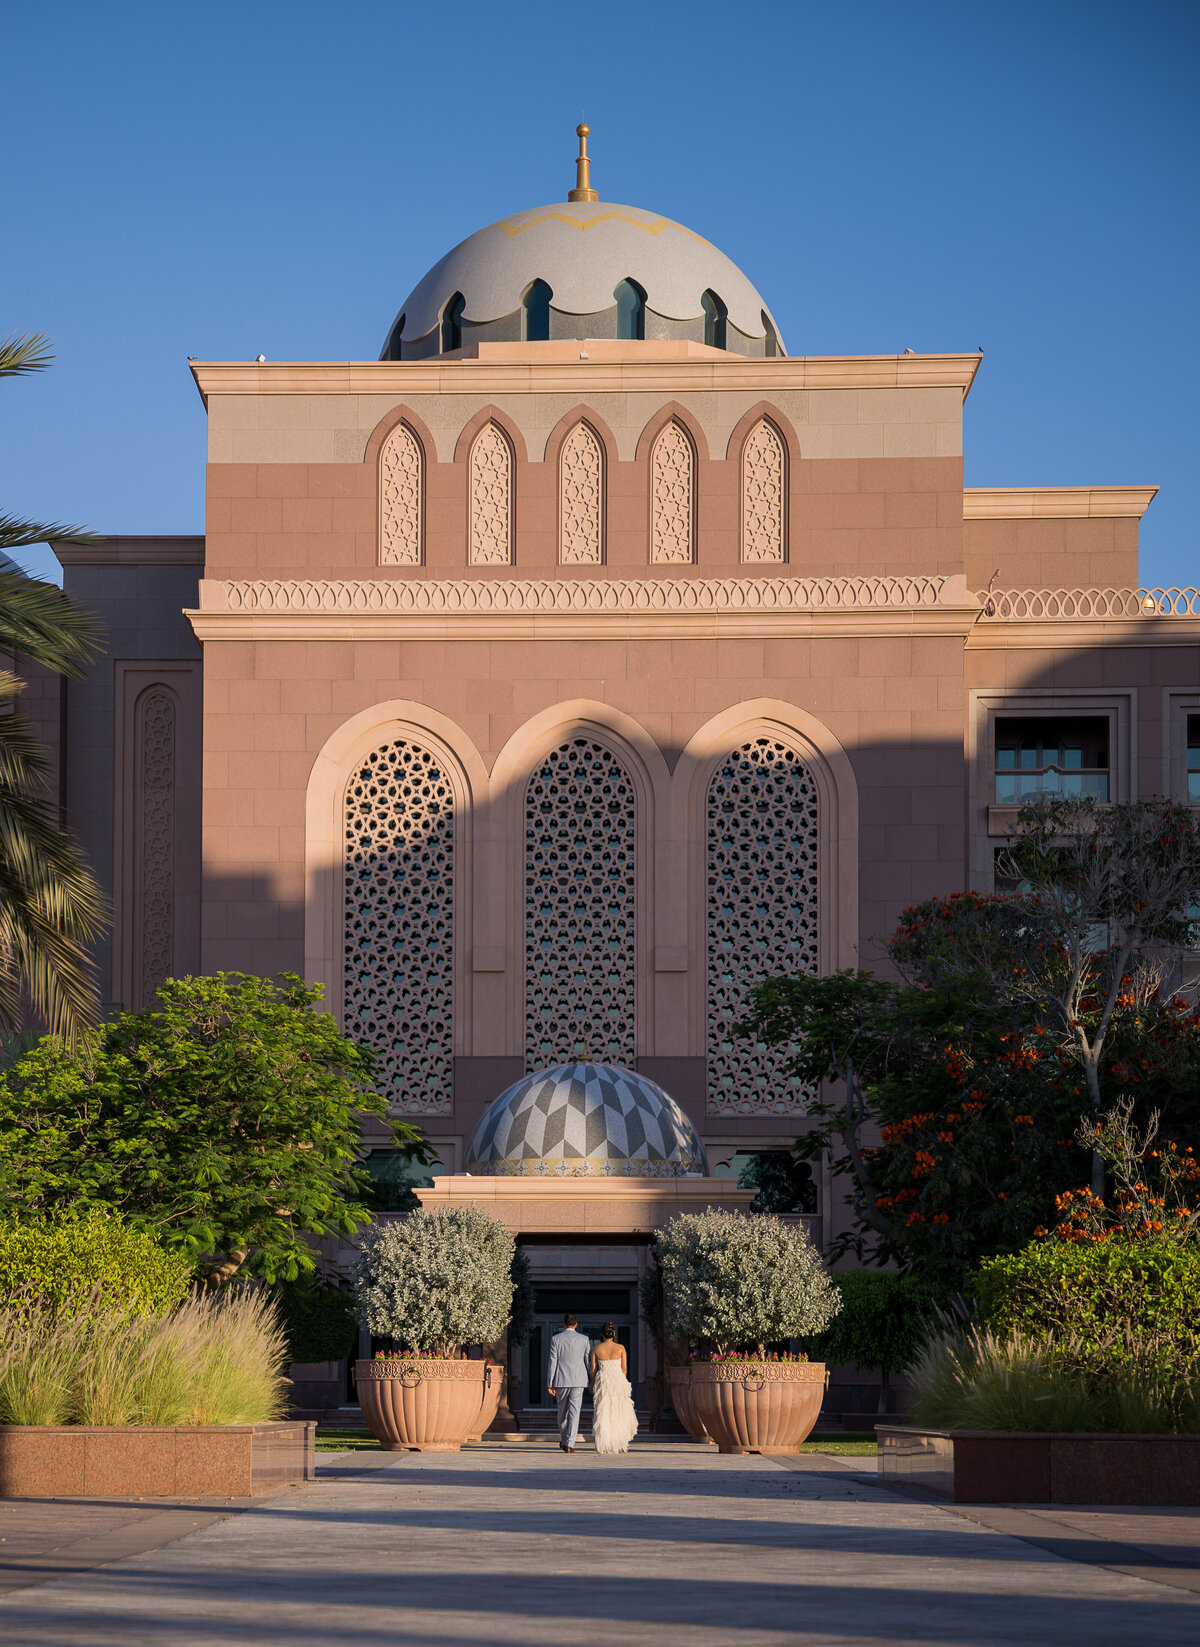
(669, 1545)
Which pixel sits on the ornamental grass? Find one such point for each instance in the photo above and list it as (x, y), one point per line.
(216, 1359)
(982, 1380)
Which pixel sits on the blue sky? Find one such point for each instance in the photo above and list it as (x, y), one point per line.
(222, 180)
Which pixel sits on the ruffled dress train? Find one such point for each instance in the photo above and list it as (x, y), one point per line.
(614, 1422)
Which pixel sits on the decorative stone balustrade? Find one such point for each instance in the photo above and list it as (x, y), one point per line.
(1059, 604)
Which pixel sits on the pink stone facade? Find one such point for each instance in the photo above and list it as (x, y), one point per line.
(716, 595)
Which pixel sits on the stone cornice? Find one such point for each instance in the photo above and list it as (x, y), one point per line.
(489, 377)
(131, 551)
(1056, 502)
(582, 609)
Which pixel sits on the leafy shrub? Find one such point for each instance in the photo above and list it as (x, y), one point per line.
(731, 1280)
(437, 1280)
(884, 1321)
(319, 1321)
(59, 1261)
(217, 1359)
(981, 1380)
(1113, 1292)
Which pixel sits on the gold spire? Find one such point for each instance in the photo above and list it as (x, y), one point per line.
(583, 182)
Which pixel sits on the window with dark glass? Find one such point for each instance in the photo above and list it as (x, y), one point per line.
(715, 317)
(1193, 758)
(1045, 755)
(394, 347)
(452, 316)
(535, 312)
(631, 309)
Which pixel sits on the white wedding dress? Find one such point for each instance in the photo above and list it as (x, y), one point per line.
(614, 1422)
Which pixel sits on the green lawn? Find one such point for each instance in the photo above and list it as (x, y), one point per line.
(843, 1444)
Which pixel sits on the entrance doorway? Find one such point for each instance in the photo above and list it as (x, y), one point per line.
(594, 1306)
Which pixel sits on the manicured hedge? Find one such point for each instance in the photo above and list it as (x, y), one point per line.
(53, 1261)
(1099, 1292)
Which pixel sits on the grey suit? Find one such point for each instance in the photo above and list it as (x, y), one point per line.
(568, 1378)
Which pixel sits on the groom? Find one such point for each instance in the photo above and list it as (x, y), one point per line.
(568, 1378)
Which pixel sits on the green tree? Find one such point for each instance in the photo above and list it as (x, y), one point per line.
(50, 905)
(883, 1324)
(438, 1280)
(950, 1098)
(226, 1119)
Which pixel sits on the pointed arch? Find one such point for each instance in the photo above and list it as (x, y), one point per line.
(772, 804)
(716, 317)
(764, 493)
(673, 474)
(451, 323)
(388, 846)
(402, 498)
(581, 497)
(631, 310)
(491, 473)
(535, 312)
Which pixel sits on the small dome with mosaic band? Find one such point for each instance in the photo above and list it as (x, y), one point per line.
(583, 270)
(585, 1120)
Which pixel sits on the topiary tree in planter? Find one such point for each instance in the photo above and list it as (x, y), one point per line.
(730, 1281)
(432, 1282)
(437, 1280)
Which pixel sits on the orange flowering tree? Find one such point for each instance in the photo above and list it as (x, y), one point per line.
(962, 1099)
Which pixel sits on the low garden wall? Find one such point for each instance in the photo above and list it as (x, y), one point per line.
(1014, 1467)
(154, 1460)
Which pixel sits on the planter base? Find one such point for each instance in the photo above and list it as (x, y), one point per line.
(154, 1460)
(1010, 1467)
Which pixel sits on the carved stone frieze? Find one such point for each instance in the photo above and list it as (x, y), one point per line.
(673, 498)
(581, 499)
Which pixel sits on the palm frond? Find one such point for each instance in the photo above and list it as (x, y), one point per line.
(50, 904)
(18, 534)
(24, 352)
(38, 621)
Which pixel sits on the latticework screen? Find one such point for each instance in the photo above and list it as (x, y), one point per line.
(580, 821)
(399, 923)
(762, 895)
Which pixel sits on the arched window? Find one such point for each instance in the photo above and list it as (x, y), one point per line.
(580, 828)
(672, 497)
(535, 312)
(631, 309)
(764, 494)
(398, 914)
(581, 498)
(491, 498)
(772, 343)
(394, 348)
(762, 875)
(715, 316)
(452, 316)
(401, 501)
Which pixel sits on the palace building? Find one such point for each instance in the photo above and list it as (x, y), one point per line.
(541, 684)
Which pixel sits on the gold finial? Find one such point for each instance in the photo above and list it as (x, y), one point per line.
(583, 181)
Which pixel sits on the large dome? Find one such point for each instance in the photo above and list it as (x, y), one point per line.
(582, 250)
(585, 1121)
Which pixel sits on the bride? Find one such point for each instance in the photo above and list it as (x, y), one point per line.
(614, 1423)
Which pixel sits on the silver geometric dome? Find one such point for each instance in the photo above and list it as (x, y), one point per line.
(585, 1120)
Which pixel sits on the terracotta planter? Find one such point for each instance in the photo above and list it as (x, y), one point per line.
(418, 1405)
(684, 1403)
(758, 1406)
(493, 1390)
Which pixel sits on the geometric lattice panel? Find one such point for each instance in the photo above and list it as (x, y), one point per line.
(400, 470)
(399, 923)
(763, 494)
(762, 895)
(581, 499)
(491, 498)
(580, 821)
(672, 498)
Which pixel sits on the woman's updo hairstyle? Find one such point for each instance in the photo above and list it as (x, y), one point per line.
(608, 1330)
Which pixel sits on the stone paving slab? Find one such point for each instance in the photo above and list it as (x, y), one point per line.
(661, 1548)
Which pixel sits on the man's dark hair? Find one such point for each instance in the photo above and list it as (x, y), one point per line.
(570, 1320)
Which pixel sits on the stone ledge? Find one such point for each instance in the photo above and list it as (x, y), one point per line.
(153, 1460)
